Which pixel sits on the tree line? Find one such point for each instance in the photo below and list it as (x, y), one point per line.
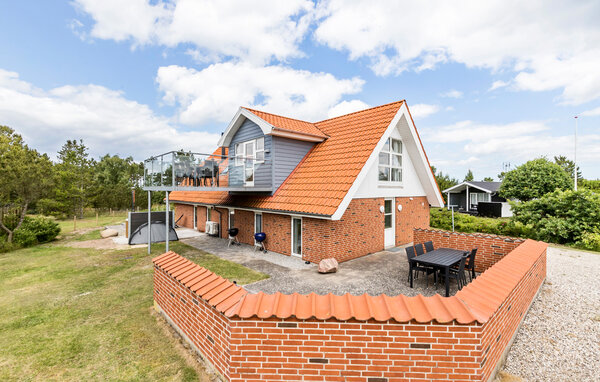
(32, 183)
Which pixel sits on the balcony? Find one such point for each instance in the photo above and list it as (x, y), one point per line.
(187, 171)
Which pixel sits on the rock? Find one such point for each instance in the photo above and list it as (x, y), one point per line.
(109, 232)
(328, 266)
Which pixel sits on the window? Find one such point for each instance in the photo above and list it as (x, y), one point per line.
(390, 161)
(296, 236)
(231, 219)
(387, 213)
(477, 197)
(258, 223)
(254, 150)
(208, 209)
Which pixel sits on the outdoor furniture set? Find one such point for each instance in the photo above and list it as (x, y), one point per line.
(447, 263)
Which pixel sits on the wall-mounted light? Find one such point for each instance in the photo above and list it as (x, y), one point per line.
(399, 207)
(381, 209)
(410, 198)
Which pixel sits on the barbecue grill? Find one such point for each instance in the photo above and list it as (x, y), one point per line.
(259, 239)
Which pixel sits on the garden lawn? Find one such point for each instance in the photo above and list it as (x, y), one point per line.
(89, 221)
(85, 314)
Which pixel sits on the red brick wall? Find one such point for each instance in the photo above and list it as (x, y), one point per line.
(500, 329)
(490, 248)
(201, 218)
(205, 328)
(222, 219)
(414, 214)
(279, 233)
(358, 233)
(314, 350)
(350, 350)
(244, 221)
(188, 215)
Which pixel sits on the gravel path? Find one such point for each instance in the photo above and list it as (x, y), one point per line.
(559, 339)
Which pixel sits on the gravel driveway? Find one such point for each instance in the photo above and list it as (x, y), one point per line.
(559, 339)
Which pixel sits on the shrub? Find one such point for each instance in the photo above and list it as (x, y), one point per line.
(442, 219)
(590, 240)
(35, 230)
(534, 179)
(561, 216)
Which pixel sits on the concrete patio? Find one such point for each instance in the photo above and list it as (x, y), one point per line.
(382, 272)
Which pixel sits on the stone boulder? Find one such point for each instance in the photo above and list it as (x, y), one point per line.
(109, 232)
(328, 266)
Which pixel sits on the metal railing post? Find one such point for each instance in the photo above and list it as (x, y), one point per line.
(167, 220)
(149, 221)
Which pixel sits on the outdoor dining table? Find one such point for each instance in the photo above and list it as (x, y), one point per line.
(442, 258)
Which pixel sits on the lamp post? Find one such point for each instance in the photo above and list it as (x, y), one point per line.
(575, 156)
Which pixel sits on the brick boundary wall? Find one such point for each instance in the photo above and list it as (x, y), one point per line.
(490, 248)
(258, 337)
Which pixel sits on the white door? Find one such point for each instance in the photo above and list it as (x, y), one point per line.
(297, 237)
(195, 218)
(389, 220)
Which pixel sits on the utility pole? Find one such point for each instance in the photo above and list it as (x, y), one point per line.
(575, 156)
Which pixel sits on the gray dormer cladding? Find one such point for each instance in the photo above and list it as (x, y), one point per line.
(282, 155)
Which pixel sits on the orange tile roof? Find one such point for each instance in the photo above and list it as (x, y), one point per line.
(476, 302)
(288, 124)
(323, 178)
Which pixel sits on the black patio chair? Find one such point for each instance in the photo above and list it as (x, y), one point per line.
(419, 249)
(470, 267)
(459, 273)
(410, 254)
(429, 246)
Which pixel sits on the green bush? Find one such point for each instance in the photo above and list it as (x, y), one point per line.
(561, 216)
(534, 179)
(36, 230)
(590, 240)
(442, 219)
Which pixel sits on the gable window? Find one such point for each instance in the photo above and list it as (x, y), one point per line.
(390, 161)
(253, 150)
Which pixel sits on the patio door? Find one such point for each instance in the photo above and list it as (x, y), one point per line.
(389, 226)
(249, 163)
(297, 237)
(195, 218)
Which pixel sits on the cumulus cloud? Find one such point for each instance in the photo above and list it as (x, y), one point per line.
(452, 94)
(254, 31)
(591, 113)
(549, 47)
(215, 93)
(346, 107)
(422, 110)
(103, 118)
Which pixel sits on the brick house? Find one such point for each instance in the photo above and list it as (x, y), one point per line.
(343, 187)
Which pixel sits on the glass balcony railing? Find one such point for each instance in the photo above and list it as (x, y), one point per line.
(187, 171)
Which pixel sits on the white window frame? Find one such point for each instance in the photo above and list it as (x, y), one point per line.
(208, 210)
(231, 212)
(241, 157)
(261, 222)
(390, 153)
(487, 198)
(195, 218)
(292, 236)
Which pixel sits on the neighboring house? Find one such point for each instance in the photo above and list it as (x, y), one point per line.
(343, 187)
(477, 197)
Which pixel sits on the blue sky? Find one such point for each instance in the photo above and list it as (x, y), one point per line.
(487, 82)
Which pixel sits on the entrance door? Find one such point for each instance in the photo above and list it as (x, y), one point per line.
(389, 220)
(297, 237)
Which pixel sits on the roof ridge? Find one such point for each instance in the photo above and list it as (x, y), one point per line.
(363, 110)
(278, 115)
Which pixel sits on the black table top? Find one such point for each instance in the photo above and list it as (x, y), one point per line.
(442, 257)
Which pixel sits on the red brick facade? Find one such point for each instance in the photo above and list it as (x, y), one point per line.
(490, 248)
(256, 349)
(414, 214)
(359, 232)
(186, 212)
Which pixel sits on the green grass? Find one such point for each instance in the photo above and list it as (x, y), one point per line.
(66, 226)
(85, 314)
(89, 235)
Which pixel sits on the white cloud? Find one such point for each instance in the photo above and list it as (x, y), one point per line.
(215, 93)
(346, 107)
(591, 113)
(103, 118)
(254, 31)
(498, 84)
(422, 110)
(452, 94)
(549, 46)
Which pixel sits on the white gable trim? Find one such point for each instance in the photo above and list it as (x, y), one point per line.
(415, 150)
(466, 184)
(237, 121)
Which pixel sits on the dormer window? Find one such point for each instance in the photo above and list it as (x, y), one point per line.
(253, 150)
(390, 161)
